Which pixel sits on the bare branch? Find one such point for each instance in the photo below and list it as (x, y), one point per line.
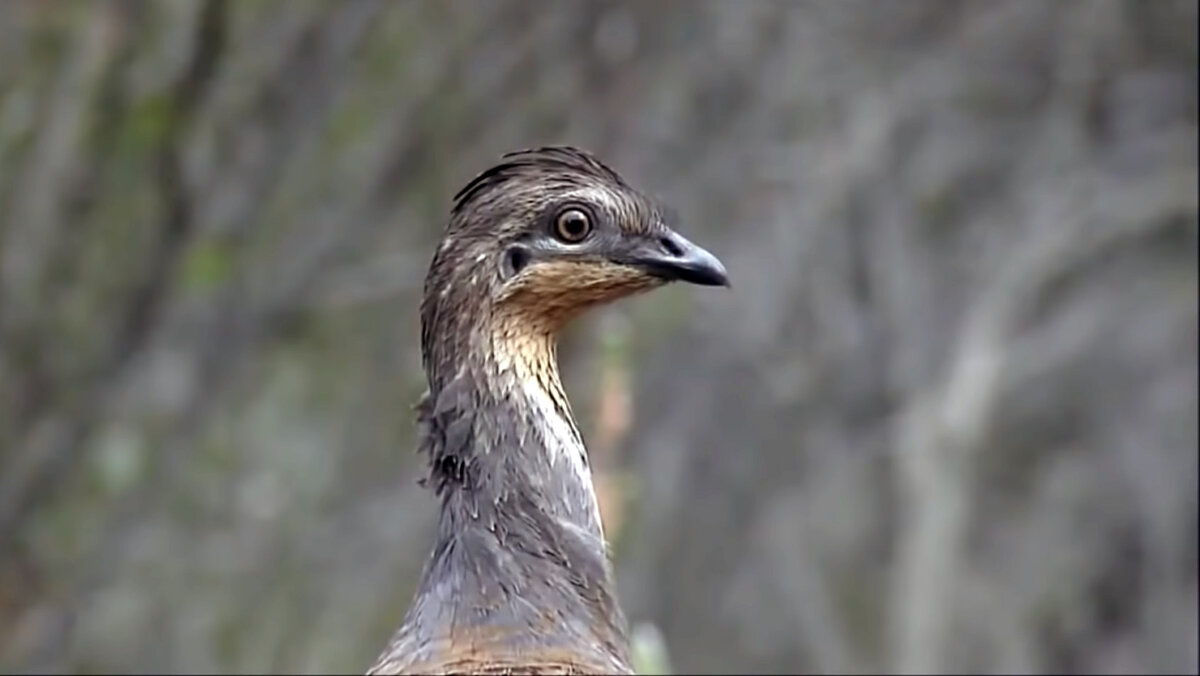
(35, 479)
(941, 434)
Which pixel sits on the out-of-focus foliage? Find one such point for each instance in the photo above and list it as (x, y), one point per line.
(945, 420)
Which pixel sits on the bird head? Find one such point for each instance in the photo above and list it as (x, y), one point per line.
(540, 237)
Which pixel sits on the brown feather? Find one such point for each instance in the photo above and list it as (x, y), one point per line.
(519, 580)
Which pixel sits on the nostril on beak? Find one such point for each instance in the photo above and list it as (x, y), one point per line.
(670, 256)
(670, 246)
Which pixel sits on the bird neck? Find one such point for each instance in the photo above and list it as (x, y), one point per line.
(528, 385)
(523, 434)
(520, 549)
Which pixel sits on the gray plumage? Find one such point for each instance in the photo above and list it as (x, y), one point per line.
(519, 580)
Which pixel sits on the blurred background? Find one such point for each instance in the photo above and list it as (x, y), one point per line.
(945, 420)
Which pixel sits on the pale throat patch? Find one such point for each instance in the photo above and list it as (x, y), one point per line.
(530, 355)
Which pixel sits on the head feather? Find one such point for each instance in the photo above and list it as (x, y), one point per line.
(537, 163)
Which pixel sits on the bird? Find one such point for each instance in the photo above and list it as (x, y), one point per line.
(519, 579)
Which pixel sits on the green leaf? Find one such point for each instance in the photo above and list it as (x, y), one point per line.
(207, 265)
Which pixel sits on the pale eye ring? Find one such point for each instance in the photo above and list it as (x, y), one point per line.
(572, 225)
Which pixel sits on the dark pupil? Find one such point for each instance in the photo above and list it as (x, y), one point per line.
(574, 224)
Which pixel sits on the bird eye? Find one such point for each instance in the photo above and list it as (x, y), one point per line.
(572, 226)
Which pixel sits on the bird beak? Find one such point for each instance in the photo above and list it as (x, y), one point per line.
(673, 258)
